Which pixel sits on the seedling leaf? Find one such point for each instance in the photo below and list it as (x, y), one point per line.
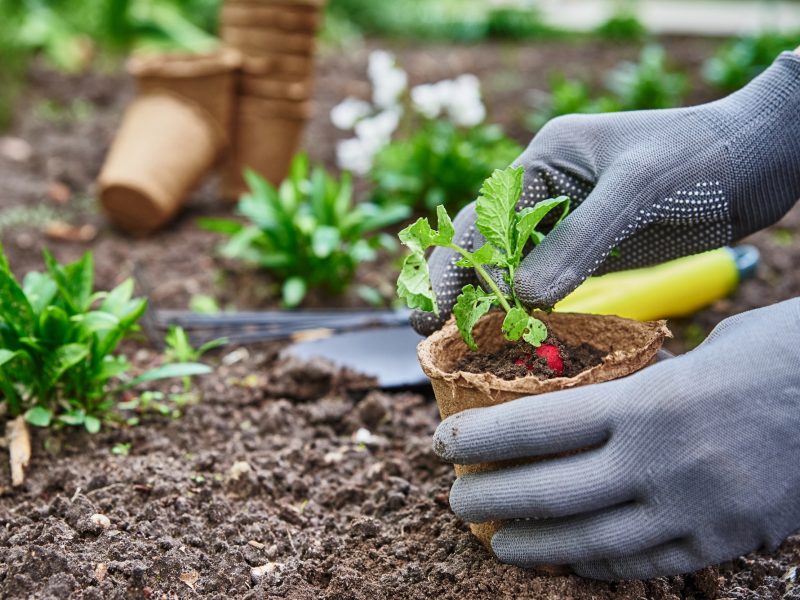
(414, 284)
(536, 332)
(470, 306)
(495, 206)
(515, 323)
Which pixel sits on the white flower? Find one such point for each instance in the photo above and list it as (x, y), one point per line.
(355, 155)
(378, 130)
(427, 99)
(460, 98)
(464, 106)
(388, 80)
(347, 113)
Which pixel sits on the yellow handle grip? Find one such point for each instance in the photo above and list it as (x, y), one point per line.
(672, 289)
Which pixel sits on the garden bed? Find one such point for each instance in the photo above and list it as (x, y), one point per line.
(267, 488)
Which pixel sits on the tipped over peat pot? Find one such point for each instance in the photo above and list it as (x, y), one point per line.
(626, 346)
(172, 133)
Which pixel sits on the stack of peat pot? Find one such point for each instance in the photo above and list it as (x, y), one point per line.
(276, 41)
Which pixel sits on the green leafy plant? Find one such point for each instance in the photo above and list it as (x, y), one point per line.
(739, 61)
(568, 96)
(507, 232)
(57, 345)
(647, 83)
(308, 232)
(641, 85)
(180, 350)
(440, 163)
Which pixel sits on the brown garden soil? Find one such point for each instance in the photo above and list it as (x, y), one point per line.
(266, 488)
(519, 360)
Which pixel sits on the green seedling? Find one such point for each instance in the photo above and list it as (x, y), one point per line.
(180, 350)
(58, 338)
(308, 233)
(508, 232)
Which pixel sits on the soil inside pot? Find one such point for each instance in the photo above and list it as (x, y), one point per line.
(517, 359)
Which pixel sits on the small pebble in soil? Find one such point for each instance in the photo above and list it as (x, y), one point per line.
(238, 469)
(256, 573)
(366, 437)
(100, 521)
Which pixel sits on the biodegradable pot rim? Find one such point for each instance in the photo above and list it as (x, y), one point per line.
(276, 89)
(256, 40)
(274, 63)
(298, 18)
(490, 384)
(257, 107)
(185, 65)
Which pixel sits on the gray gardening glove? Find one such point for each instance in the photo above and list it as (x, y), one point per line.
(655, 185)
(696, 459)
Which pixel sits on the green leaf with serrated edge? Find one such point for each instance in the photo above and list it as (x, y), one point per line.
(536, 332)
(470, 306)
(515, 323)
(529, 218)
(446, 229)
(414, 284)
(418, 236)
(39, 416)
(485, 255)
(495, 207)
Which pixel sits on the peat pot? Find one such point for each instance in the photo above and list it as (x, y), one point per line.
(628, 346)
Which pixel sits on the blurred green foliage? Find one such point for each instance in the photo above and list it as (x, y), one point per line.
(738, 61)
(440, 163)
(622, 27)
(451, 20)
(641, 85)
(70, 33)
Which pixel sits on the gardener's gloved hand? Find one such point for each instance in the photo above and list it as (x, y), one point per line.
(696, 459)
(656, 185)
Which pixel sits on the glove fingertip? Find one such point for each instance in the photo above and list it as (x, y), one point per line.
(425, 323)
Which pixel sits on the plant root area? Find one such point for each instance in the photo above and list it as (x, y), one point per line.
(287, 480)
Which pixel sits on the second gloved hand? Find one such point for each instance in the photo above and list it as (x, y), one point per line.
(694, 460)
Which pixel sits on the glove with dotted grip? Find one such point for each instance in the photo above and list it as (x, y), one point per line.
(646, 187)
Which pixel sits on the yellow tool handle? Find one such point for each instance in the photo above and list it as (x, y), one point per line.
(672, 289)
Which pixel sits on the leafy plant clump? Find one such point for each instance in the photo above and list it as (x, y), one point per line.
(507, 232)
(642, 85)
(308, 232)
(57, 345)
(739, 61)
(440, 163)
